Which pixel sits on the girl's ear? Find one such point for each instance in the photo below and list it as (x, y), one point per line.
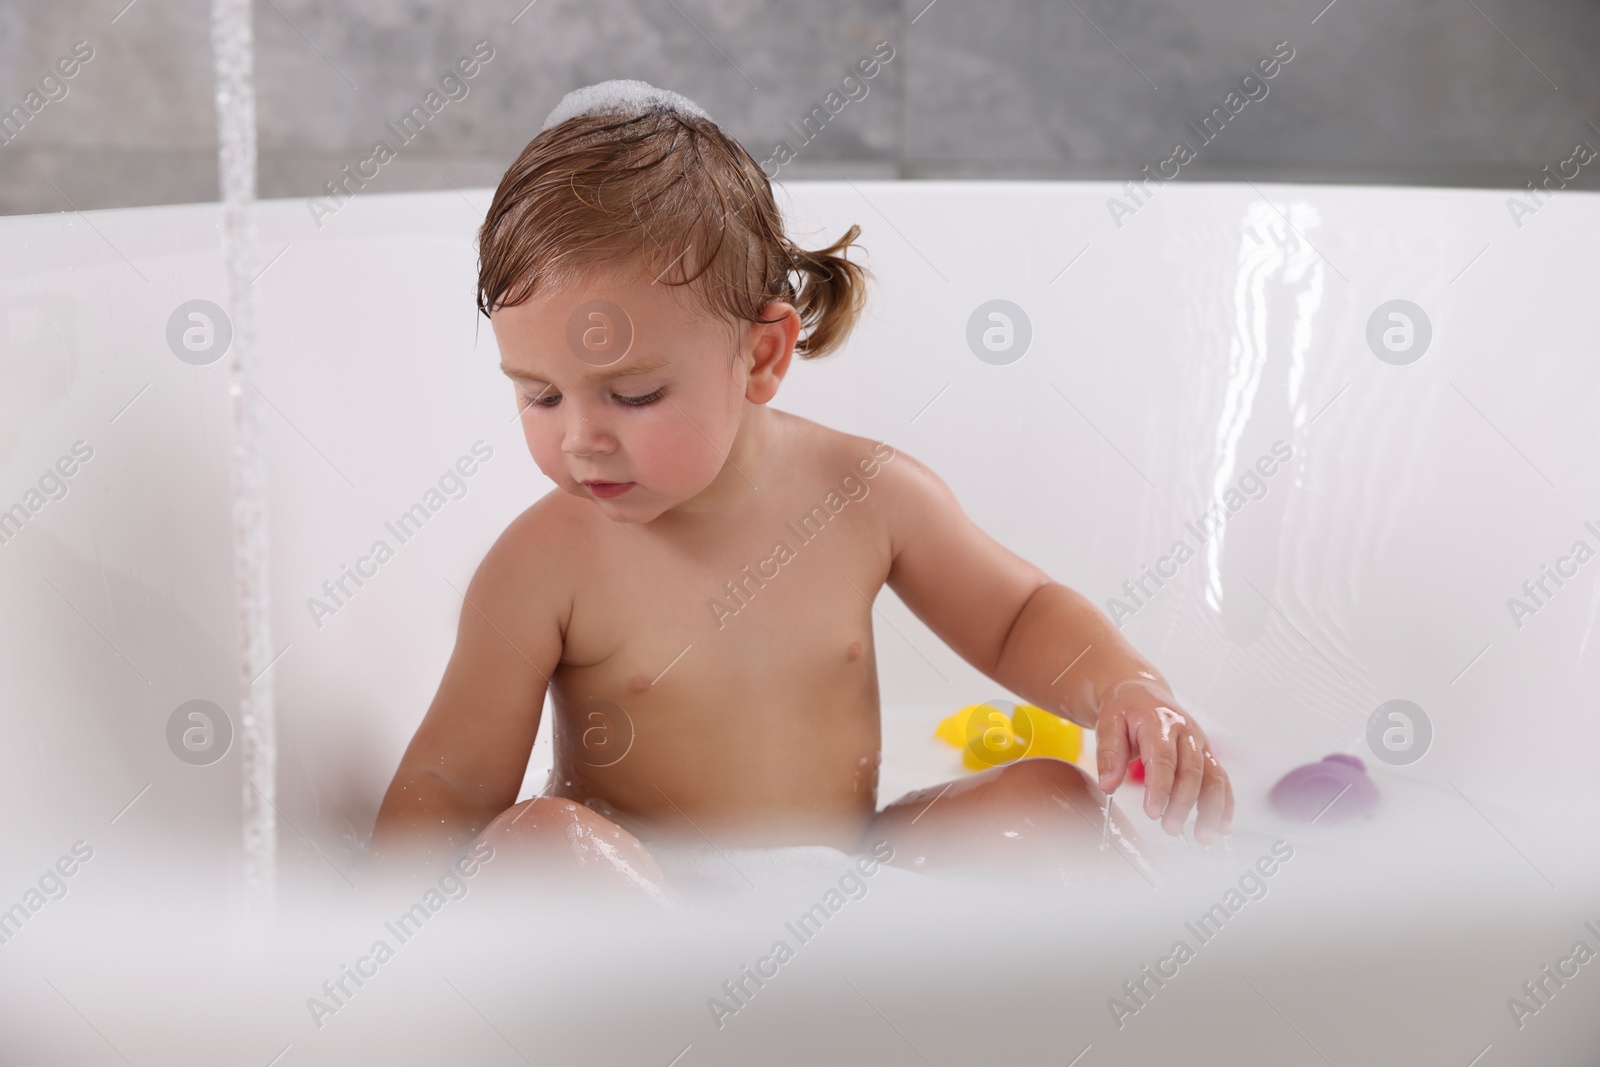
(770, 346)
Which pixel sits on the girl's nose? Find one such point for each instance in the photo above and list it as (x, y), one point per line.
(584, 436)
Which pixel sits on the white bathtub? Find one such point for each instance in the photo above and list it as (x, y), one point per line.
(1167, 356)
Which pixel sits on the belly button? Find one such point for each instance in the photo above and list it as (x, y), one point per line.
(639, 684)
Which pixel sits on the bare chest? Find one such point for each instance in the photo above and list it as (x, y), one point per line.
(786, 601)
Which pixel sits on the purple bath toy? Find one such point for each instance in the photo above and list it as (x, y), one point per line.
(1334, 789)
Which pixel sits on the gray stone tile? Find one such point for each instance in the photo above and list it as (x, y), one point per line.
(136, 126)
(1389, 92)
(148, 85)
(749, 71)
(104, 178)
(1425, 92)
(304, 174)
(839, 170)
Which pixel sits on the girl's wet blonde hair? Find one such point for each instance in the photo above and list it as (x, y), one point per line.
(672, 190)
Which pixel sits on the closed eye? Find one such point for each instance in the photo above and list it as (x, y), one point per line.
(642, 401)
(545, 399)
(549, 399)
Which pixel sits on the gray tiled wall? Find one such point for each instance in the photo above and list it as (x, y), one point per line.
(1449, 92)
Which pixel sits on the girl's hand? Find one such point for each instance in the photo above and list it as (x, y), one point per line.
(1139, 717)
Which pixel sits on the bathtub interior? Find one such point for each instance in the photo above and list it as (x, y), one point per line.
(1168, 355)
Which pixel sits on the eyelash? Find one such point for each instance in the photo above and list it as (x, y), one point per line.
(643, 401)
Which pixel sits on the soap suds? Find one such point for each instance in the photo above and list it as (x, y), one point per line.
(624, 95)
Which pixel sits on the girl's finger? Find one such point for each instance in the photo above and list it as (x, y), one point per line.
(1186, 787)
(1227, 811)
(1111, 748)
(1160, 756)
(1213, 800)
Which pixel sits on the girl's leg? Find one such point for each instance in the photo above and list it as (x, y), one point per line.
(557, 844)
(1042, 818)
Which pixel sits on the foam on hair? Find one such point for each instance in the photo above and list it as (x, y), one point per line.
(623, 96)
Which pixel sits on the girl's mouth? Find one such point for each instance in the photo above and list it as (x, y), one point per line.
(607, 490)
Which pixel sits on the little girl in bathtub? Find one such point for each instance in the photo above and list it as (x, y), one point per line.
(697, 592)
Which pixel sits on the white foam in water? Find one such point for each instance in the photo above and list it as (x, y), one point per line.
(625, 95)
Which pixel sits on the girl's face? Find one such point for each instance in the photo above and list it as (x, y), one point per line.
(630, 397)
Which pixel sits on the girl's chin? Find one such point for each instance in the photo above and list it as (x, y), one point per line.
(629, 507)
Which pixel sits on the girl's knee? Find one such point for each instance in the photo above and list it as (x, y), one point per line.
(1045, 776)
(536, 819)
(559, 843)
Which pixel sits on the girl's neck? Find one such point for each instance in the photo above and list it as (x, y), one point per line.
(733, 492)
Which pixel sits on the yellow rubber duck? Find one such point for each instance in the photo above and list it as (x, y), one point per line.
(999, 731)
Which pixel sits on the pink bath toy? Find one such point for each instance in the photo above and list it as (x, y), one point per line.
(1334, 789)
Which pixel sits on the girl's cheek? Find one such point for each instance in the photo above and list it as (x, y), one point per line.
(678, 455)
(546, 451)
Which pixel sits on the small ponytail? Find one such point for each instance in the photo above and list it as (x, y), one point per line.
(830, 297)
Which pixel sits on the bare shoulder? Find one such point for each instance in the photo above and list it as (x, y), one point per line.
(531, 571)
(835, 454)
(907, 485)
(903, 493)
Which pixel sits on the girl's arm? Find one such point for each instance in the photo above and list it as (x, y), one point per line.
(467, 759)
(1050, 646)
